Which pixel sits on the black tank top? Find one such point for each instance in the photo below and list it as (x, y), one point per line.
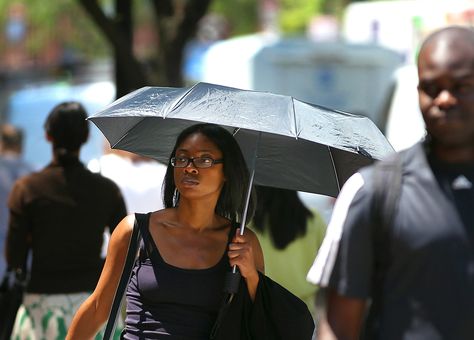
(167, 302)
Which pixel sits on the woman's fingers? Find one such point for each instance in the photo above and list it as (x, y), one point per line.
(241, 255)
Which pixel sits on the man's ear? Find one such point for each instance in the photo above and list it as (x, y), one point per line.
(48, 137)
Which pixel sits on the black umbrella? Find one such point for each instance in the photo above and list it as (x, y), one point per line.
(292, 144)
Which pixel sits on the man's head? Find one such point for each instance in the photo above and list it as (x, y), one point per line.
(446, 86)
(11, 139)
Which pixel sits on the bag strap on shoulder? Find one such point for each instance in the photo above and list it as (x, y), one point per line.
(387, 176)
(124, 279)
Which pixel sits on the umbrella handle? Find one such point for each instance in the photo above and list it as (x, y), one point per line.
(232, 281)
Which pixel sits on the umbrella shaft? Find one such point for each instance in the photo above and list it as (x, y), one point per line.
(247, 201)
(249, 189)
(249, 192)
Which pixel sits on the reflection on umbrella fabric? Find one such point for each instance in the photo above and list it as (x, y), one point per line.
(301, 146)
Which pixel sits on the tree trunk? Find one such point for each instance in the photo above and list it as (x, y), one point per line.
(128, 71)
(123, 14)
(177, 23)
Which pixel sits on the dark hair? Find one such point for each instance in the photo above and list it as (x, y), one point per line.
(231, 202)
(281, 213)
(11, 137)
(67, 126)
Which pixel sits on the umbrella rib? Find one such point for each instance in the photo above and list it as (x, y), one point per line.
(335, 170)
(126, 134)
(180, 100)
(297, 133)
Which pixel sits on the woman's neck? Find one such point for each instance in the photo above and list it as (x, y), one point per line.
(198, 215)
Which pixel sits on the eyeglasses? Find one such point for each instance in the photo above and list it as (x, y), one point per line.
(198, 162)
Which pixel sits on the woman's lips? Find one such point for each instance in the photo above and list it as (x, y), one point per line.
(189, 181)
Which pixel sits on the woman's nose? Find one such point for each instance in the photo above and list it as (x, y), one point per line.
(190, 168)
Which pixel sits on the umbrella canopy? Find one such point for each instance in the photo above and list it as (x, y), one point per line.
(288, 143)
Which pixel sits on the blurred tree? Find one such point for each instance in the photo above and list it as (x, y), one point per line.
(295, 14)
(39, 24)
(175, 23)
(293, 17)
(336, 7)
(242, 15)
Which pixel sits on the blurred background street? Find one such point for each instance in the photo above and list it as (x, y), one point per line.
(353, 56)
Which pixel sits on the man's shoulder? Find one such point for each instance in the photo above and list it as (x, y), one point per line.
(402, 158)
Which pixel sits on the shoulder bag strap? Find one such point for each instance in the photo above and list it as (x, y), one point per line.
(124, 279)
(387, 188)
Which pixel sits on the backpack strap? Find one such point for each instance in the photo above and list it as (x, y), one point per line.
(387, 177)
(124, 279)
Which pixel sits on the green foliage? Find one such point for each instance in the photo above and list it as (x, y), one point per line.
(61, 22)
(242, 15)
(295, 14)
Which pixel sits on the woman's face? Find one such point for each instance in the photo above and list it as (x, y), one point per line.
(195, 182)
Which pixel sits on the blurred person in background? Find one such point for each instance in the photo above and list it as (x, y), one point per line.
(414, 262)
(139, 178)
(290, 235)
(59, 214)
(12, 167)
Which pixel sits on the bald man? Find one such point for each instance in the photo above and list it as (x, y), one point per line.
(411, 276)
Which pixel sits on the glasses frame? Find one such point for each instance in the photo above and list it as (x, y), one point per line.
(192, 159)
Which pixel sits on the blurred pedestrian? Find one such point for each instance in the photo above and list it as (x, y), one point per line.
(417, 267)
(139, 178)
(60, 213)
(290, 235)
(12, 167)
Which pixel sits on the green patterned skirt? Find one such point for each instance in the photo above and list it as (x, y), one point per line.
(48, 316)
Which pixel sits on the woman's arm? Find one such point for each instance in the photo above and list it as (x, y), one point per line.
(95, 310)
(246, 253)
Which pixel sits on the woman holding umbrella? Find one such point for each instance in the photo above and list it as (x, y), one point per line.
(176, 286)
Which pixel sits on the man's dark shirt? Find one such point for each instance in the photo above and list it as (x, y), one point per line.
(428, 290)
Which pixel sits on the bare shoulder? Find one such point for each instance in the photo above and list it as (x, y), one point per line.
(123, 232)
(163, 215)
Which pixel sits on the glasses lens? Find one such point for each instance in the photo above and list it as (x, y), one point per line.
(203, 162)
(179, 162)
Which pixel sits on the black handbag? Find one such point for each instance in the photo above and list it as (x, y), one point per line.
(12, 289)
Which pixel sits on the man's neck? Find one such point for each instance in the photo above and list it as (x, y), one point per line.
(454, 154)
